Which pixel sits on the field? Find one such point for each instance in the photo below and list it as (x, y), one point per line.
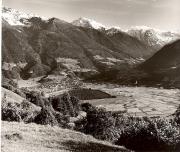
(138, 101)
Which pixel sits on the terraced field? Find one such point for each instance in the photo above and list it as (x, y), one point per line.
(138, 101)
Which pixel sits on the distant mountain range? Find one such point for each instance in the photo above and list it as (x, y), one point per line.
(34, 46)
(153, 37)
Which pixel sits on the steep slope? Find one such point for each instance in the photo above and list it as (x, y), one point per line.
(165, 64)
(121, 43)
(131, 45)
(17, 54)
(153, 37)
(166, 58)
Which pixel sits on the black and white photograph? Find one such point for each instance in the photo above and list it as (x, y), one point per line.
(90, 75)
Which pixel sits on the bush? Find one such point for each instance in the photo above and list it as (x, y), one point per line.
(99, 123)
(61, 119)
(66, 104)
(37, 99)
(13, 111)
(28, 111)
(10, 112)
(150, 134)
(177, 115)
(142, 134)
(46, 117)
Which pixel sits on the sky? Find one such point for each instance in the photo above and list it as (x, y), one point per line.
(161, 14)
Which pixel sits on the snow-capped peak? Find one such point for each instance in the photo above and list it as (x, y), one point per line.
(114, 30)
(14, 17)
(147, 28)
(153, 36)
(144, 28)
(89, 23)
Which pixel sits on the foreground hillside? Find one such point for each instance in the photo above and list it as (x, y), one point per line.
(31, 137)
(115, 125)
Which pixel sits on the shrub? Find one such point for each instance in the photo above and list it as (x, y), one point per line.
(37, 99)
(66, 104)
(99, 123)
(142, 134)
(151, 134)
(61, 119)
(87, 107)
(46, 117)
(28, 111)
(10, 112)
(177, 115)
(13, 111)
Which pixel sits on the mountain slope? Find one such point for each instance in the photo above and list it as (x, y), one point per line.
(164, 66)
(166, 58)
(121, 43)
(39, 47)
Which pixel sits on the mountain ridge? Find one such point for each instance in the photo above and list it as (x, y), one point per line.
(54, 46)
(45, 46)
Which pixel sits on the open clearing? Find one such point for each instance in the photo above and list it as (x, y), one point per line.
(138, 101)
(20, 137)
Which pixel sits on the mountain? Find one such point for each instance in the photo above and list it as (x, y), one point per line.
(164, 66)
(33, 46)
(14, 17)
(88, 23)
(113, 30)
(166, 58)
(153, 37)
(162, 69)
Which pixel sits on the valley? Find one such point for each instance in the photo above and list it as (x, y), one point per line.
(81, 86)
(139, 101)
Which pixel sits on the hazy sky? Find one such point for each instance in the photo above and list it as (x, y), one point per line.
(162, 14)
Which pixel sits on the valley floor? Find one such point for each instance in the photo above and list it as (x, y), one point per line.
(138, 101)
